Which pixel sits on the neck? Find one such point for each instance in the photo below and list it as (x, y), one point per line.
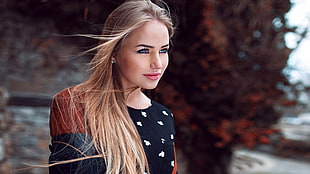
(137, 99)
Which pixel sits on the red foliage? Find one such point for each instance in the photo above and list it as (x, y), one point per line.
(222, 81)
(228, 129)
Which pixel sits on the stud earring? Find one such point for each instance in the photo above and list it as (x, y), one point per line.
(113, 61)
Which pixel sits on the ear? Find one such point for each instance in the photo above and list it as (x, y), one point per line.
(113, 60)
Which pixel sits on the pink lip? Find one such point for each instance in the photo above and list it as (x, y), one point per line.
(152, 76)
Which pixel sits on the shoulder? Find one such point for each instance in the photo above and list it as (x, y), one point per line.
(163, 114)
(67, 112)
(62, 100)
(65, 93)
(158, 105)
(70, 95)
(163, 109)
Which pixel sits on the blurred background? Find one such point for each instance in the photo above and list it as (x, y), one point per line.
(238, 81)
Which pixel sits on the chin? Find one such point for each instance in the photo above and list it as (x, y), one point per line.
(149, 86)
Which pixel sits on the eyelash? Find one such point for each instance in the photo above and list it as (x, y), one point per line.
(165, 50)
(143, 51)
(146, 51)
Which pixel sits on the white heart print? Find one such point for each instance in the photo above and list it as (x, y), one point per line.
(143, 114)
(139, 123)
(160, 123)
(161, 154)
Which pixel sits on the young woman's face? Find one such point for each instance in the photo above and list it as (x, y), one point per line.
(143, 56)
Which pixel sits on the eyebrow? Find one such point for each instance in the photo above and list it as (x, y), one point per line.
(149, 46)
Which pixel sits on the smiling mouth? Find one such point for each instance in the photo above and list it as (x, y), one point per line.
(152, 76)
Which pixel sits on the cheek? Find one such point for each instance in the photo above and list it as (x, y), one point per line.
(165, 62)
(128, 65)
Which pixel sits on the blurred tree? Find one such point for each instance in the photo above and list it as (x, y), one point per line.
(224, 78)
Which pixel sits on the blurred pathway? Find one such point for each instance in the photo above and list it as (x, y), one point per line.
(268, 164)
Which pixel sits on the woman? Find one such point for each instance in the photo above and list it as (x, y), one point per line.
(106, 124)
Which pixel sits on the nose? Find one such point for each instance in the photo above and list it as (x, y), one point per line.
(156, 62)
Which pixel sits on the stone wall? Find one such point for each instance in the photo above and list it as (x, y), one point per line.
(35, 63)
(34, 58)
(26, 140)
(24, 137)
(5, 121)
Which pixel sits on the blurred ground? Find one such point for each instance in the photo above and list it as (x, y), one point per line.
(290, 156)
(264, 163)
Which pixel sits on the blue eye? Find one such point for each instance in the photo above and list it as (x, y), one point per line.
(164, 50)
(143, 51)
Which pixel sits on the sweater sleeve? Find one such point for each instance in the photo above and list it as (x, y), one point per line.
(75, 147)
(71, 147)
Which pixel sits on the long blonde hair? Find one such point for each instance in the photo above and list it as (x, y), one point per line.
(106, 116)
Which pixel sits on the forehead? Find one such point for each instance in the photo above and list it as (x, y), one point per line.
(153, 33)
